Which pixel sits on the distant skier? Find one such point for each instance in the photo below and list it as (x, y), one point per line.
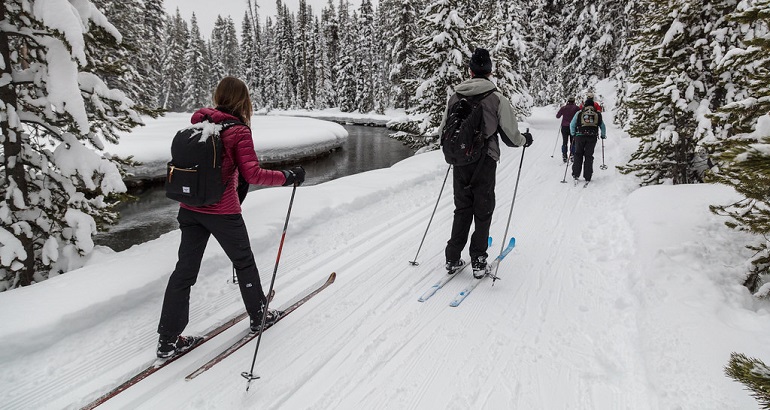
(590, 95)
(585, 126)
(566, 113)
(222, 219)
(474, 182)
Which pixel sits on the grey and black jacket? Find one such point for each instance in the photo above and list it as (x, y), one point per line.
(499, 117)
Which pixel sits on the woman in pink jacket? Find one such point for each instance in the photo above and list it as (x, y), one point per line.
(223, 220)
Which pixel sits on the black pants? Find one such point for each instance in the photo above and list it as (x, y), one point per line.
(565, 138)
(584, 156)
(230, 232)
(474, 204)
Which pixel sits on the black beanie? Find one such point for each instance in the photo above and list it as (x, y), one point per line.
(481, 63)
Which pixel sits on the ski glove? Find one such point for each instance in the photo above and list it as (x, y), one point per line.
(296, 174)
(604, 137)
(528, 137)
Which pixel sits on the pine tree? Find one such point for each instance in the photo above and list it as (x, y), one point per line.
(508, 51)
(302, 55)
(365, 58)
(331, 43)
(543, 23)
(248, 60)
(345, 67)
(196, 77)
(754, 374)
(57, 184)
(123, 70)
(402, 32)
(677, 88)
(442, 63)
(270, 81)
(173, 69)
(746, 124)
(633, 10)
(152, 52)
(580, 57)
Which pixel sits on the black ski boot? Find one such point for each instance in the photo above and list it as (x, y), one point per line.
(479, 265)
(256, 323)
(453, 266)
(170, 346)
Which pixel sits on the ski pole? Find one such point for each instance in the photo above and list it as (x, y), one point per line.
(557, 142)
(510, 213)
(603, 165)
(414, 262)
(566, 167)
(250, 375)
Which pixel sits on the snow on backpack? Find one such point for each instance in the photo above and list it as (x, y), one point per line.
(462, 139)
(194, 174)
(588, 123)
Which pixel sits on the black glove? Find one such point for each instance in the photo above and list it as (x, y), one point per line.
(528, 137)
(243, 189)
(296, 174)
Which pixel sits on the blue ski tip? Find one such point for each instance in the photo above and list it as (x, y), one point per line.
(489, 242)
(512, 242)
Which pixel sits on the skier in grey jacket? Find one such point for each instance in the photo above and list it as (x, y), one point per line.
(474, 184)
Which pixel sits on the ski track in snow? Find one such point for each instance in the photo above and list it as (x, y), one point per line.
(561, 315)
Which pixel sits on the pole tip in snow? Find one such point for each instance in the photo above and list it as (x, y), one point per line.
(414, 263)
(249, 377)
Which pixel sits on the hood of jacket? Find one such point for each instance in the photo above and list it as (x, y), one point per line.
(215, 115)
(474, 86)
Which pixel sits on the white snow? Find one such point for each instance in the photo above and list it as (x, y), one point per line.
(275, 138)
(615, 297)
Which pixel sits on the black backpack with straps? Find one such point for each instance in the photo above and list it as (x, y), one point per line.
(194, 174)
(462, 139)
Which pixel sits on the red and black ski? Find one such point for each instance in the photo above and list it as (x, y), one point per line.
(282, 313)
(161, 363)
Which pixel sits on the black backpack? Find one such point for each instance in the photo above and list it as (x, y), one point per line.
(588, 121)
(462, 139)
(194, 174)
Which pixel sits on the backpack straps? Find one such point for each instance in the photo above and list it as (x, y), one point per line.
(480, 98)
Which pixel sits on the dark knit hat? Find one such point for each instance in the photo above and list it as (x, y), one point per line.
(571, 99)
(481, 63)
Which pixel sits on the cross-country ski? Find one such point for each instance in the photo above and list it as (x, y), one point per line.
(490, 270)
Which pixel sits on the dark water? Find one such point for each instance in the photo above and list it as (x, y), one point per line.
(367, 148)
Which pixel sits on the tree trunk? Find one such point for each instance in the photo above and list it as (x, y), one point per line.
(12, 143)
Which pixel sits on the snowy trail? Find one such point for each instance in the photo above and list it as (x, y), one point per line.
(561, 314)
(576, 321)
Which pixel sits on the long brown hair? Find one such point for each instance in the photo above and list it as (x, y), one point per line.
(233, 95)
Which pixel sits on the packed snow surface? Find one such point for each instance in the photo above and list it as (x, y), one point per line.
(615, 297)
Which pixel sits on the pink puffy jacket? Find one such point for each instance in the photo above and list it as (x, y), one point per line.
(239, 158)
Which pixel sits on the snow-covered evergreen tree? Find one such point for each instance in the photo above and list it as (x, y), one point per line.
(123, 70)
(754, 374)
(57, 184)
(345, 67)
(249, 58)
(330, 51)
(173, 68)
(269, 73)
(152, 52)
(366, 61)
(196, 75)
(580, 56)
(634, 10)
(401, 33)
(444, 52)
(745, 153)
(677, 88)
(542, 26)
(302, 55)
(507, 52)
